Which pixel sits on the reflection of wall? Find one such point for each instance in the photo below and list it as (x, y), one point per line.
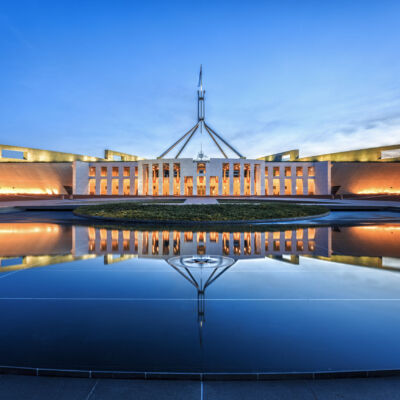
(19, 239)
(35, 178)
(379, 240)
(364, 178)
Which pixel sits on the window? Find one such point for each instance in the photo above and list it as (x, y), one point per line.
(276, 171)
(214, 237)
(17, 155)
(115, 187)
(266, 171)
(299, 186)
(92, 187)
(103, 171)
(288, 171)
(103, 186)
(201, 168)
(92, 171)
(299, 171)
(127, 187)
(311, 171)
(276, 187)
(288, 186)
(127, 171)
(311, 187)
(115, 171)
(188, 236)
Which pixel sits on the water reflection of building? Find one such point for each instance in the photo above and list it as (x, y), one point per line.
(24, 245)
(166, 244)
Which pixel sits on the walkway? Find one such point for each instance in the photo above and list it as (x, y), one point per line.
(42, 388)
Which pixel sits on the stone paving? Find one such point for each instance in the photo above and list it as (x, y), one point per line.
(14, 387)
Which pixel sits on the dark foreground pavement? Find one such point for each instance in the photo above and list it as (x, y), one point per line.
(43, 388)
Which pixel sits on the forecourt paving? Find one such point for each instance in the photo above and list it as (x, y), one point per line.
(51, 388)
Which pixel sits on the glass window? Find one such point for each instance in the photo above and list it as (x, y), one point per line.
(127, 171)
(276, 171)
(92, 171)
(299, 171)
(103, 171)
(311, 171)
(288, 171)
(115, 171)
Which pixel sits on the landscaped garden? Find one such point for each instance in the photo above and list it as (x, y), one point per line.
(136, 211)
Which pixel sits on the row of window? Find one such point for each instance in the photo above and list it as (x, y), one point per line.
(291, 242)
(225, 171)
(114, 171)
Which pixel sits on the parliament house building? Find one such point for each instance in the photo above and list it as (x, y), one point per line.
(29, 171)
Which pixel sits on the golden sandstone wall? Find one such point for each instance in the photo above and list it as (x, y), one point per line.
(366, 177)
(35, 178)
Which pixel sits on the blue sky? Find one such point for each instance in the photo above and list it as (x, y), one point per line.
(82, 76)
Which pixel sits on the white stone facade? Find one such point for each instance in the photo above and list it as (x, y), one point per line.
(214, 177)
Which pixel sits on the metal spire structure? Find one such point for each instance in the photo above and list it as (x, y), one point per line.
(216, 138)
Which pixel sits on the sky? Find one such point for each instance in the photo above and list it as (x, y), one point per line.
(81, 76)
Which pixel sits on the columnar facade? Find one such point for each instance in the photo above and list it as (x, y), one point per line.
(213, 177)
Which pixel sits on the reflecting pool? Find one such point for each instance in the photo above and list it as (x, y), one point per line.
(307, 299)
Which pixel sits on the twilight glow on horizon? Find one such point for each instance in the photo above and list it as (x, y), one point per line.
(82, 76)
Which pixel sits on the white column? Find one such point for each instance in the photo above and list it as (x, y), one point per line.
(305, 179)
(262, 179)
(270, 181)
(231, 178)
(220, 179)
(98, 173)
(160, 178)
(241, 177)
(194, 184)
(140, 179)
(109, 180)
(171, 179)
(282, 179)
(252, 176)
(150, 180)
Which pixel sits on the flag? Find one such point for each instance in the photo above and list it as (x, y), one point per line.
(200, 85)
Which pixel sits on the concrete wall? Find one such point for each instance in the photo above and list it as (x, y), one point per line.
(39, 155)
(35, 178)
(365, 178)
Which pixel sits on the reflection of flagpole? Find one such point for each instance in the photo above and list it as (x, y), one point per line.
(209, 269)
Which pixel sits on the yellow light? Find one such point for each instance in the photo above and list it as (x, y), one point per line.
(379, 191)
(15, 190)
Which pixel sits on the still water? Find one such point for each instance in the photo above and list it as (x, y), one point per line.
(311, 299)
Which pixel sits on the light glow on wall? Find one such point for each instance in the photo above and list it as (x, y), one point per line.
(15, 190)
(376, 190)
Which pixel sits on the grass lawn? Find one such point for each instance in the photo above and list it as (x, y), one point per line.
(194, 213)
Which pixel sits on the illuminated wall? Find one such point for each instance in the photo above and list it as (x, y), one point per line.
(35, 178)
(381, 154)
(366, 178)
(27, 154)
